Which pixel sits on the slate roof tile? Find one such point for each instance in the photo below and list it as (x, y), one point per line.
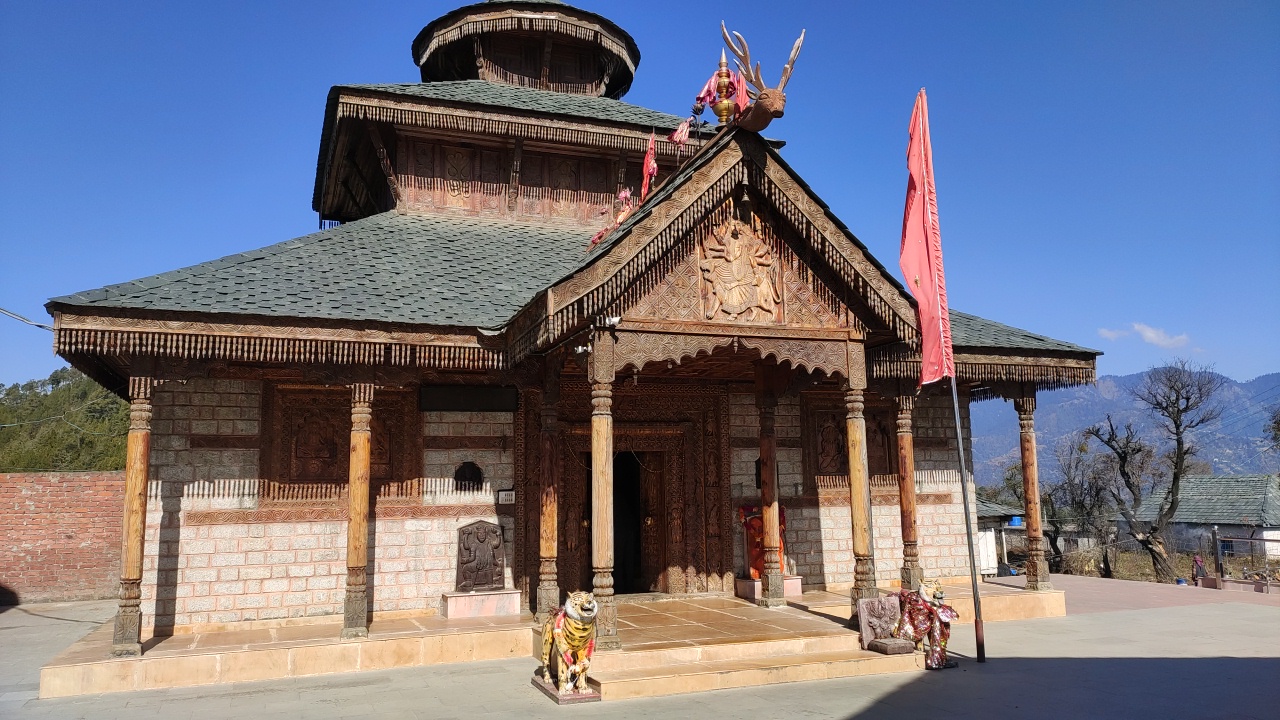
(1226, 500)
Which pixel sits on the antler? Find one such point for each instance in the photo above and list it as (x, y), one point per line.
(742, 58)
(786, 69)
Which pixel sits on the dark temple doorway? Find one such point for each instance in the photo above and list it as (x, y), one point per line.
(629, 514)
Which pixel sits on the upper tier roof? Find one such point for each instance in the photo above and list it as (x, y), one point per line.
(515, 97)
(543, 43)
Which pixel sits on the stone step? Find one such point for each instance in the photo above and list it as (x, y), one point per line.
(744, 649)
(728, 673)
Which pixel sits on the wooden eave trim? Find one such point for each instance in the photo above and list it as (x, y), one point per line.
(526, 20)
(466, 118)
(280, 341)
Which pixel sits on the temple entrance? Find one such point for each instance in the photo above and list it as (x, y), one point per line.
(637, 523)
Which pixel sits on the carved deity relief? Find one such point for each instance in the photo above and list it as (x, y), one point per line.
(481, 557)
(319, 447)
(833, 451)
(740, 275)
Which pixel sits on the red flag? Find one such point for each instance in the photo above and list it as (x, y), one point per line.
(921, 259)
(650, 166)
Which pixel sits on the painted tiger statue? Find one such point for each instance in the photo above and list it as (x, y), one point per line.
(568, 641)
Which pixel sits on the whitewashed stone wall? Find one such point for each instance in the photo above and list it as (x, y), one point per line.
(232, 572)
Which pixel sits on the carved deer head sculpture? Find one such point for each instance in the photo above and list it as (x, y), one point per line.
(768, 103)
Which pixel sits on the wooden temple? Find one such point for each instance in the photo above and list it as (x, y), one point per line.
(313, 422)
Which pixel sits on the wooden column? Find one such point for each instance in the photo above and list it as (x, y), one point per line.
(602, 373)
(127, 639)
(548, 507)
(1037, 570)
(356, 606)
(912, 575)
(771, 583)
(864, 573)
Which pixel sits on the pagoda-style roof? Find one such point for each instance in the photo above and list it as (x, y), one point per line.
(505, 289)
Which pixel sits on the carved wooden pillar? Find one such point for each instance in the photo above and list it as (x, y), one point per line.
(602, 373)
(912, 575)
(1037, 570)
(864, 574)
(127, 639)
(771, 583)
(548, 506)
(356, 606)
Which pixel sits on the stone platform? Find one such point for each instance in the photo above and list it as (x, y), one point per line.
(270, 653)
(999, 602)
(712, 643)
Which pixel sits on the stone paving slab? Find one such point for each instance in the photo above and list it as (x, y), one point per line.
(1140, 662)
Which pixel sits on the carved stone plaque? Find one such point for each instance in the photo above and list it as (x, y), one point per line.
(481, 557)
(876, 618)
(740, 276)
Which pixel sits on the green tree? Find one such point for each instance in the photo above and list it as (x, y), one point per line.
(65, 422)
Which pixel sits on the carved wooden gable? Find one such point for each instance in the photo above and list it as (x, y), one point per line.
(739, 273)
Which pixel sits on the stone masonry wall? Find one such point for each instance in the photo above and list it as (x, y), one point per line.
(818, 540)
(231, 571)
(60, 536)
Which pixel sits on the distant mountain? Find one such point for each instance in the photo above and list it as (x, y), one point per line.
(1231, 445)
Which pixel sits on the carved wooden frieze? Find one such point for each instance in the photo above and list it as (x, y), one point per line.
(306, 456)
(740, 276)
(481, 557)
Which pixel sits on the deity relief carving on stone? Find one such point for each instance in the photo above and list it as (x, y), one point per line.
(741, 276)
(481, 558)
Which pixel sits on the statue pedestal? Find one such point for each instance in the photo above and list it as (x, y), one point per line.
(485, 603)
(749, 589)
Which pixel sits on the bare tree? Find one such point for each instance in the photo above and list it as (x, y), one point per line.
(1081, 491)
(1181, 397)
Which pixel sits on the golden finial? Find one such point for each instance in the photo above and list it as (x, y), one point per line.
(724, 106)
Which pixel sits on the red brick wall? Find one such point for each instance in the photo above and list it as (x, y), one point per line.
(60, 535)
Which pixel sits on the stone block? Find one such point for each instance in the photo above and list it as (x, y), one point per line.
(489, 603)
(892, 646)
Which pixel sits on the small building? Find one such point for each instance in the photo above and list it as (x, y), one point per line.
(317, 426)
(1240, 506)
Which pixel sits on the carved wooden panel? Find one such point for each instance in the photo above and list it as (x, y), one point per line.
(682, 434)
(458, 173)
(737, 274)
(564, 187)
(823, 430)
(741, 278)
(493, 185)
(306, 458)
(534, 191)
(422, 179)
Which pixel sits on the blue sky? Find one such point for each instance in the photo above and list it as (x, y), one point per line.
(1108, 173)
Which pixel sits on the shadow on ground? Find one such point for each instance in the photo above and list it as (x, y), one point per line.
(1215, 687)
(8, 598)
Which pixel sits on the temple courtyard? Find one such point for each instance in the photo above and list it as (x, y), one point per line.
(1124, 648)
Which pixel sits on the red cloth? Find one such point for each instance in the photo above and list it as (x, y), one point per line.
(921, 259)
(650, 166)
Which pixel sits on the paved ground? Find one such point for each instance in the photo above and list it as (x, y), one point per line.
(1174, 656)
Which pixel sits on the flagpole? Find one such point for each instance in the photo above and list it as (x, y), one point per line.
(926, 165)
(978, 634)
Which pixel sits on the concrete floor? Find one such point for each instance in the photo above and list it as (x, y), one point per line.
(1126, 650)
